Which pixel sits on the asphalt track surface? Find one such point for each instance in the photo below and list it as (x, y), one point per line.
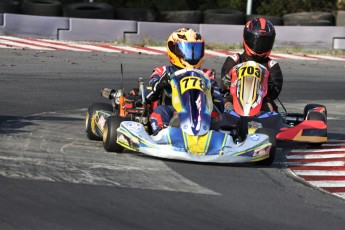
(52, 177)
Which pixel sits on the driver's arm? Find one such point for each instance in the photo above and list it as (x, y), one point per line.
(276, 81)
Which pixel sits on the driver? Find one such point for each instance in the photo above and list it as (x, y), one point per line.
(185, 49)
(258, 40)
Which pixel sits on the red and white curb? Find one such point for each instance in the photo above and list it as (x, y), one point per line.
(44, 44)
(323, 167)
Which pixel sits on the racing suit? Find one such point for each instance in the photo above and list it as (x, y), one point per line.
(162, 114)
(275, 82)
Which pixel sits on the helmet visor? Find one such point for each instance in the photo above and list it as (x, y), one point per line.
(191, 52)
(262, 44)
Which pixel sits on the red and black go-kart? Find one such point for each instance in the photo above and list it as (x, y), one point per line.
(249, 85)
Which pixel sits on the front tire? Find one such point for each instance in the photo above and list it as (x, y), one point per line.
(272, 138)
(110, 134)
(91, 111)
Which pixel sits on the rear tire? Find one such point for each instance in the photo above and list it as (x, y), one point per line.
(88, 120)
(272, 138)
(110, 134)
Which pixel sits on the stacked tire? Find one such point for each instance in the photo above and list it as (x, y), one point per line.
(220, 16)
(318, 18)
(9, 6)
(186, 16)
(275, 20)
(135, 14)
(42, 7)
(89, 10)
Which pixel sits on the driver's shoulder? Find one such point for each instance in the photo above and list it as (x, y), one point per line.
(271, 63)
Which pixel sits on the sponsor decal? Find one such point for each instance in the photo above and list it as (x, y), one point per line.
(122, 139)
(254, 137)
(101, 122)
(134, 127)
(262, 151)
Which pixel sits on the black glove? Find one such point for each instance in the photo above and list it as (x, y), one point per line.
(226, 80)
(163, 83)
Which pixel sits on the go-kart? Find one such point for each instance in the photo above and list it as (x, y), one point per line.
(249, 86)
(190, 137)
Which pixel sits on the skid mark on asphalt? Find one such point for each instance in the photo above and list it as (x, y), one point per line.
(53, 147)
(323, 167)
(44, 44)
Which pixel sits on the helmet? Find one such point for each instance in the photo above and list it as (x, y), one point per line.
(186, 48)
(258, 38)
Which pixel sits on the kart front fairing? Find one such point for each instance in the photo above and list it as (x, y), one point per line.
(248, 87)
(174, 143)
(192, 100)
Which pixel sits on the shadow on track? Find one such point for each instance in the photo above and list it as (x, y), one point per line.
(15, 124)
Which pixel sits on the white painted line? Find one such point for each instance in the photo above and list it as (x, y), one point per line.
(215, 53)
(18, 44)
(98, 48)
(329, 163)
(49, 44)
(315, 156)
(317, 150)
(319, 173)
(329, 184)
(340, 194)
(5, 46)
(138, 50)
(291, 56)
(46, 45)
(326, 57)
(159, 48)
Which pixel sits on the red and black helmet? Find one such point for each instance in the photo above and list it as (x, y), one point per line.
(258, 38)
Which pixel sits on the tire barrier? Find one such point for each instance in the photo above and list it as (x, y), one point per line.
(276, 21)
(228, 17)
(186, 16)
(88, 10)
(9, 6)
(317, 18)
(135, 14)
(42, 7)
